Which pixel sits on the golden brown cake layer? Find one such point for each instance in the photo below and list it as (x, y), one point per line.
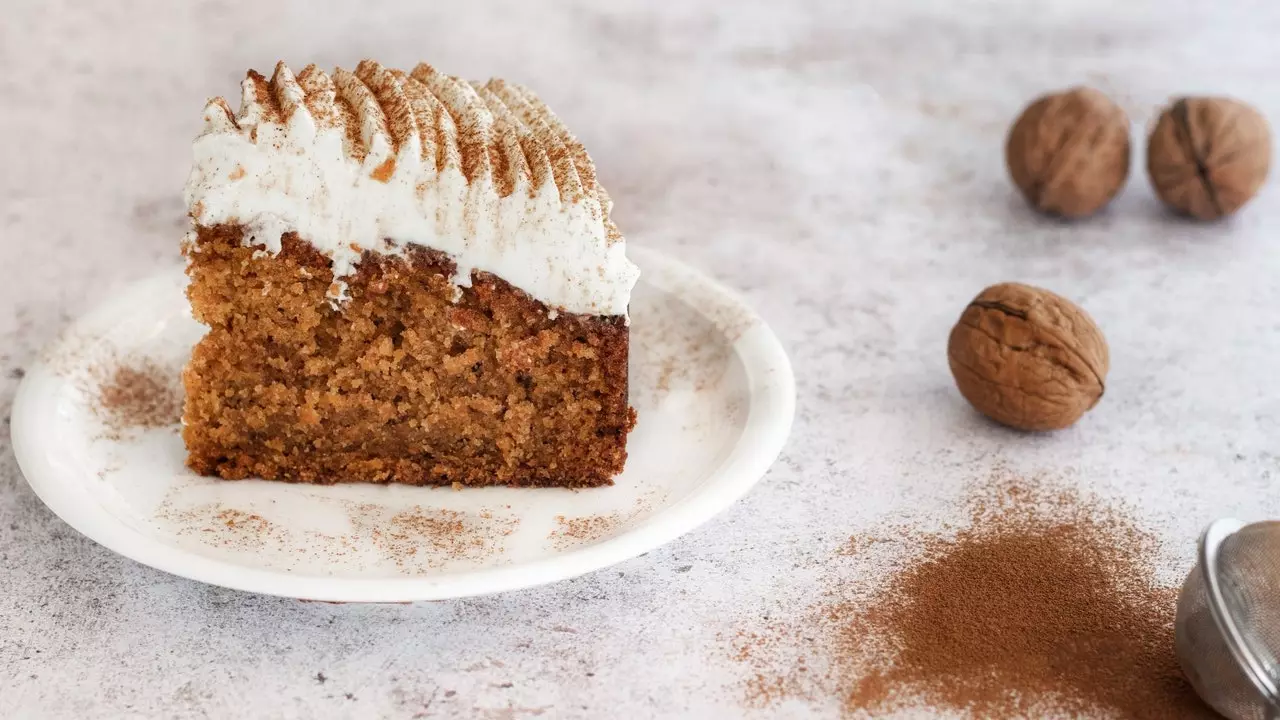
(401, 383)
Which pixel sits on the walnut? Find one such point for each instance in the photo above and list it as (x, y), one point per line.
(1208, 156)
(1028, 358)
(1069, 152)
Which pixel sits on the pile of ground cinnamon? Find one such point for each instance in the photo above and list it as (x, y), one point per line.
(139, 394)
(1043, 607)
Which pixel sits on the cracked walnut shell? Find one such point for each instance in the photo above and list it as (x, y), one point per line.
(1208, 156)
(1028, 358)
(1069, 152)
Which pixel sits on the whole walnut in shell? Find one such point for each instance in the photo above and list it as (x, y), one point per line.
(1069, 152)
(1208, 156)
(1028, 358)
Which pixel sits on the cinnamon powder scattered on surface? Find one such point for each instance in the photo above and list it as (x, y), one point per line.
(219, 526)
(433, 537)
(582, 530)
(571, 531)
(138, 395)
(413, 541)
(1044, 606)
(233, 518)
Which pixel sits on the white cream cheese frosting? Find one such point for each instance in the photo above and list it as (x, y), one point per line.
(382, 160)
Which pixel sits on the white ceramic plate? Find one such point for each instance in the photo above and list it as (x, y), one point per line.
(710, 382)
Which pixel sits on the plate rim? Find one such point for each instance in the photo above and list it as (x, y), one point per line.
(770, 413)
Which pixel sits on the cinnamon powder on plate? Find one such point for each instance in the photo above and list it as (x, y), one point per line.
(139, 394)
(1044, 606)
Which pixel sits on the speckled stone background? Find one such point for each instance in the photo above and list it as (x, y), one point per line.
(838, 162)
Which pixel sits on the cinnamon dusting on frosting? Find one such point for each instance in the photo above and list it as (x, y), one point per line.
(291, 159)
(382, 173)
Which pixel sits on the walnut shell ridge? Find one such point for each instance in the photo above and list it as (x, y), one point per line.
(1068, 153)
(1207, 157)
(1028, 358)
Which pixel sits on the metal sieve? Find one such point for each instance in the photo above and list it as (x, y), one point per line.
(1227, 629)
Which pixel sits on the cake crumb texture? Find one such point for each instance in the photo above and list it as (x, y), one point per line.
(400, 384)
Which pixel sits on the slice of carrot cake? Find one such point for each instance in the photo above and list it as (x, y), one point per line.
(406, 278)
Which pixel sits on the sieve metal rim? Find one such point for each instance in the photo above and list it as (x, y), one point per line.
(1233, 637)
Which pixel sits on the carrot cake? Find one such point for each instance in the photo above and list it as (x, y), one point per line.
(406, 278)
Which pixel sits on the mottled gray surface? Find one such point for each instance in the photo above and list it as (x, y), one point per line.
(840, 163)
